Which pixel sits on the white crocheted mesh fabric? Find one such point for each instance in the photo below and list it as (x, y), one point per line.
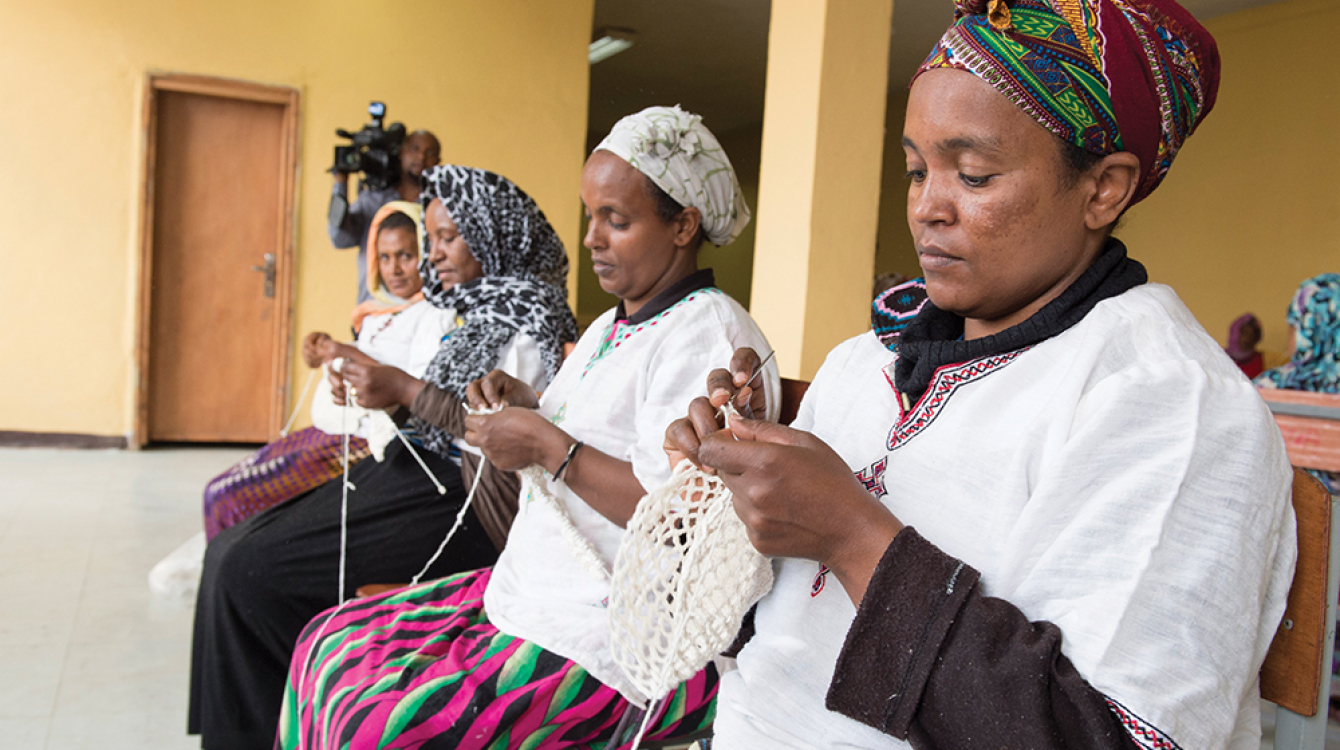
(683, 580)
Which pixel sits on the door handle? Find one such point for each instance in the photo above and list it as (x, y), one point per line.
(269, 270)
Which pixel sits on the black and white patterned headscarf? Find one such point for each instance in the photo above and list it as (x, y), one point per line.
(523, 289)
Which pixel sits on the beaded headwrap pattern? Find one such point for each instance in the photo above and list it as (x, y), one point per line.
(684, 159)
(1105, 75)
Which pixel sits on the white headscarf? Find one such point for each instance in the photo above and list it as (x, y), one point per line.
(684, 159)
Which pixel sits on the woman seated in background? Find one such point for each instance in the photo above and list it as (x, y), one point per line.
(1314, 364)
(397, 327)
(1244, 334)
(1036, 506)
(519, 656)
(494, 263)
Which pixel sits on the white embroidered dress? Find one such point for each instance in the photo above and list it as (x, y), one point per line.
(1122, 480)
(617, 392)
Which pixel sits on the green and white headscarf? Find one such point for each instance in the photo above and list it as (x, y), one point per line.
(684, 159)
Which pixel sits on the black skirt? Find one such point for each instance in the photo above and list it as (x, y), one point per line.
(266, 577)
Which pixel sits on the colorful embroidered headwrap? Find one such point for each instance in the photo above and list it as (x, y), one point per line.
(1105, 75)
(684, 159)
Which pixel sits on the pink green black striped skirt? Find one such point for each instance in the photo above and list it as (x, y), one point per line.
(424, 668)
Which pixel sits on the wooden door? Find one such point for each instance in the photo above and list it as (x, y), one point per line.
(218, 211)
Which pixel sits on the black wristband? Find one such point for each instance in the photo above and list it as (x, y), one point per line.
(572, 451)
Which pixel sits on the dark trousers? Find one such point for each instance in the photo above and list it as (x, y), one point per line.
(266, 577)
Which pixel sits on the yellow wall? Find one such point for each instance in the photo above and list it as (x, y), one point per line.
(1251, 206)
(502, 82)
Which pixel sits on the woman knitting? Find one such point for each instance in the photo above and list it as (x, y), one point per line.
(495, 263)
(1036, 506)
(397, 327)
(518, 656)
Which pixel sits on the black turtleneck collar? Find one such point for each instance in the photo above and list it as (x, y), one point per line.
(934, 338)
(665, 300)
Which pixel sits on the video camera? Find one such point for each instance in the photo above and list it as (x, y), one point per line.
(374, 151)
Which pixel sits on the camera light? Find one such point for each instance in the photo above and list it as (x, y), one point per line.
(609, 42)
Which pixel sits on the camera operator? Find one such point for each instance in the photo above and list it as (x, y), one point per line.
(348, 225)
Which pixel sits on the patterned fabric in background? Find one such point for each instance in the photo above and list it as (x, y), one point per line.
(893, 310)
(1314, 315)
(524, 289)
(428, 665)
(286, 468)
(684, 159)
(1105, 75)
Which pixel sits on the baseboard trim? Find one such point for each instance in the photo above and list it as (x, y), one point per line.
(15, 439)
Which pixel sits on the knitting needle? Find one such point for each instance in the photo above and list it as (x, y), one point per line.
(749, 411)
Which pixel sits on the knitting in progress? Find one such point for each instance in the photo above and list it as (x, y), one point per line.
(684, 578)
(534, 486)
(334, 419)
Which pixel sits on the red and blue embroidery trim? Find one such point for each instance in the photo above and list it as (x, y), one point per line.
(944, 383)
(872, 478)
(819, 581)
(1143, 733)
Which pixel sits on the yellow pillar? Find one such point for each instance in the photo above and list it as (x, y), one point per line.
(818, 203)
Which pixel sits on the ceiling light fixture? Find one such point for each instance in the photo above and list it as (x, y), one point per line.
(609, 42)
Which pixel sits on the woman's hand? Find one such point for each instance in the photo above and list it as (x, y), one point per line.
(516, 437)
(798, 498)
(316, 348)
(337, 393)
(500, 389)
(379, 386)
(723, 385)
(683, 436)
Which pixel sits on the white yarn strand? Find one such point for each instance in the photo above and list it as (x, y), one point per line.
(469, 499)
(344, 493)
(652, 707)
(344, 546)
(311, 378)
(410, 447)
(460, 518)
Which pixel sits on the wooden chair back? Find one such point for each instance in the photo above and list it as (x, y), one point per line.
(792, 393)
(1292, 673)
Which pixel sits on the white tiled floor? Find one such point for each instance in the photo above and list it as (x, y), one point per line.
(88, 657)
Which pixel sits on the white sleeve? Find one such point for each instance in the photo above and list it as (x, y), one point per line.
(825, 379)
(428, 337)
(1163, 509)
(677, 375)
(521, 359)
